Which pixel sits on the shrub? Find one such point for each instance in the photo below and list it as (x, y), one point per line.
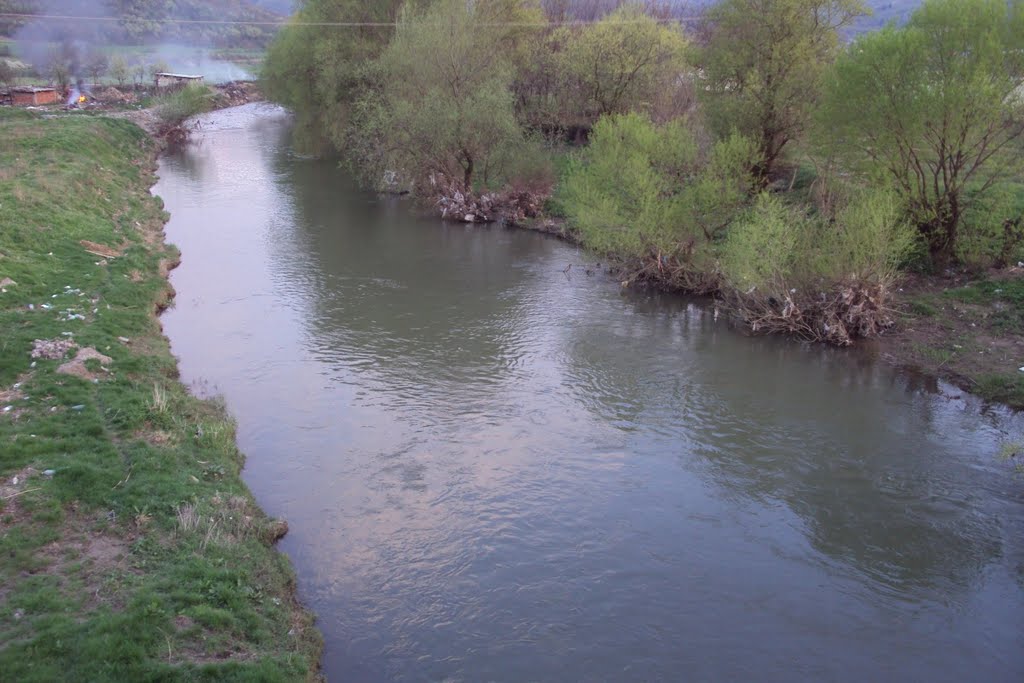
(817, 277)
(650, 194)
(179, 105)
(993, 229)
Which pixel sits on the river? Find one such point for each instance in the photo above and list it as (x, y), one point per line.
(497, 469)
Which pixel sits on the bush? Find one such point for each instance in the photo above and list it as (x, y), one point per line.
(649, 194)
(993, 230)
(175, 107)
(818, 277)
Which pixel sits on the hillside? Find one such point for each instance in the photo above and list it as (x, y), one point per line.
(143, 21)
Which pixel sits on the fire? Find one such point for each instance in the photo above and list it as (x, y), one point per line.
(81, 99)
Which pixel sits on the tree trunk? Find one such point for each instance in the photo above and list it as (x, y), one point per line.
(942, 238)
(467, 176)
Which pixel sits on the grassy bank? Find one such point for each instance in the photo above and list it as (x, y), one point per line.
(968, 330)
(131, 549)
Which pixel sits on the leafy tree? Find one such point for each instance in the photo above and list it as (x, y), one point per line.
(60, 64)
(158, 67)
(624, 62)
(936, 107)
(441, 106)
(762, 68)
(120, 70)
(96, 64)
(6, 74)
(139, 71)
(317, 71)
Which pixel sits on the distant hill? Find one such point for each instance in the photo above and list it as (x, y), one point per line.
(146, 21)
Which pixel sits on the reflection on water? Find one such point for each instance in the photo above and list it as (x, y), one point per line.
(494, 471)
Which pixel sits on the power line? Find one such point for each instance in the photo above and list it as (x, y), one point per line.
(339, 24)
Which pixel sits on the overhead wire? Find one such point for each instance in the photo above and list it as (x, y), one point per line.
(339, 24)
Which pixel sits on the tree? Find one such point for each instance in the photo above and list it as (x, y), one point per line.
(120, 70)
(96, 64)
(316, 69)
(139, 71)
(937, 107)
(6, 74)
(762, 68)
(60, 64)
(627, 61)
(158, 67)
(441, 108)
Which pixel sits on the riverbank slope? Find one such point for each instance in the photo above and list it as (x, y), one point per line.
(131, 547)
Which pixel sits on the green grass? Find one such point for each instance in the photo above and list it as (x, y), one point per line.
(1002, 388)
(1004, 299)
(143, 555)
(987, 292)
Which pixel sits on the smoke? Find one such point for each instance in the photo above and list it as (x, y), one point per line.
(197, 61)
(57, 48)
(65, 51)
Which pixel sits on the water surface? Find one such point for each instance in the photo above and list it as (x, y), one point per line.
(494, 470)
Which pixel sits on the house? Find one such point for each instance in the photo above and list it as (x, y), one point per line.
(165, 80)
(26, 96)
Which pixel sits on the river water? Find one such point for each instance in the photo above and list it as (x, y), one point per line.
(496, 470)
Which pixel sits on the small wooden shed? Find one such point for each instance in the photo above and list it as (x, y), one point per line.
(27, 96)
(165, 80)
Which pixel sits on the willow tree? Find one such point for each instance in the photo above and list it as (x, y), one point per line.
(627, 61)
(762, 68)
(935, 107)
(314, 65)
(441, 108)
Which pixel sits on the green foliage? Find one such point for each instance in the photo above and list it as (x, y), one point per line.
(96, 64)
(762, 68)
(119, 70)
(440, 109)
(317, 70)
(993, 233)
(625, 62)
(144, 21)
(935, 108)
(6, 73)
(640, 188)
(175, 107)
(776, 248)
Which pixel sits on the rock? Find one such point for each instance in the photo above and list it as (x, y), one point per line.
(469, 218)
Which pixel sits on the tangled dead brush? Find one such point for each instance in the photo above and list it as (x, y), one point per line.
(843, 314)
(512, 205)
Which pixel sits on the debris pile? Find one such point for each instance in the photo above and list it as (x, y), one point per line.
(52, 349)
